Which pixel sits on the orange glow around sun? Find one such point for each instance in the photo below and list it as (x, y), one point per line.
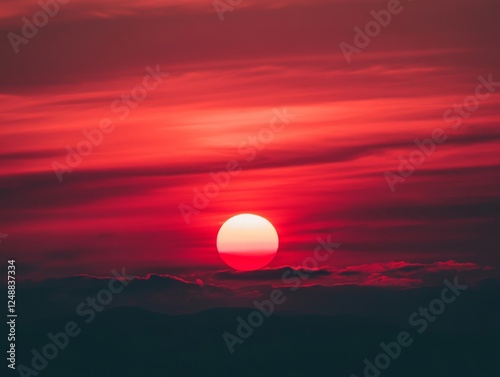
(247, 242)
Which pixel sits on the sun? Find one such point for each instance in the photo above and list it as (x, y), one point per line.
(247, 242)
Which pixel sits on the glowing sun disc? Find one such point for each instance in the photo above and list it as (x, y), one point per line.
(247, 242)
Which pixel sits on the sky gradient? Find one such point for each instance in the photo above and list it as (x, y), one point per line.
(321, 174)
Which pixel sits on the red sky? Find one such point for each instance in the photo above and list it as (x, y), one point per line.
(323, 174)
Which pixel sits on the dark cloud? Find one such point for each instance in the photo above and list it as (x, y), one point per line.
(155, 292)
(406, 268)
(271, 273)
(398, 274)
(28, 155)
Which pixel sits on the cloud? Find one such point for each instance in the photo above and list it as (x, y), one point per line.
(378, 295)
(276, 273)
(379, 280)
(397, 274)
(402, 274)
(407, 268)
(154, 292)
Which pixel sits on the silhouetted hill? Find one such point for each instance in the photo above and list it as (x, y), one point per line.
(129, 341)
(477, 310)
